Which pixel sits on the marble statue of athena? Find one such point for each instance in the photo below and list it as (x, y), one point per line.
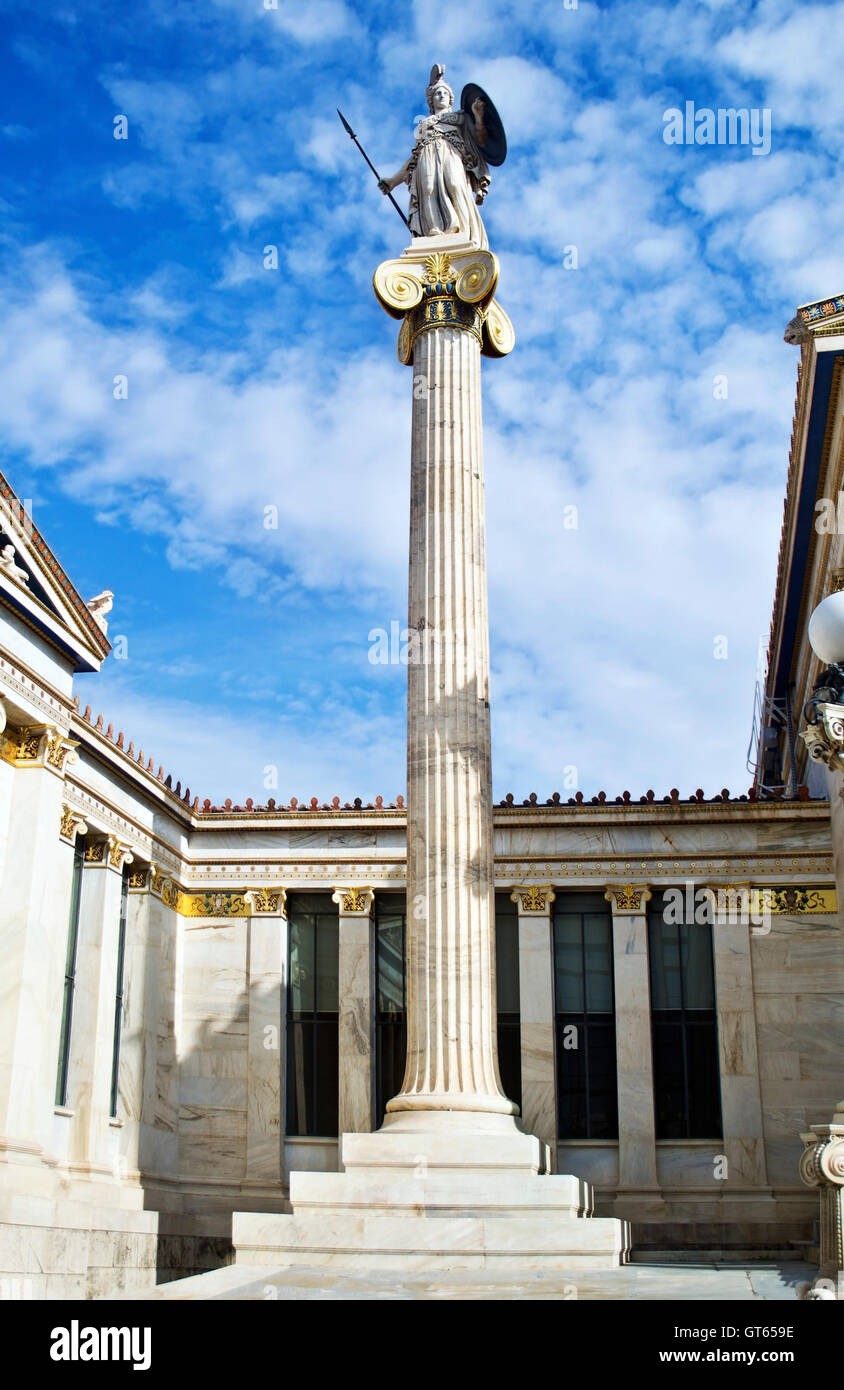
(447, 175)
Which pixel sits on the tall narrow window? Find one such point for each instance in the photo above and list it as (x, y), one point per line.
(312, 1016)
(685, 1035)
(391, 1000)
(70, 971)
(507, 992)
(587, 1094)
(118, 994)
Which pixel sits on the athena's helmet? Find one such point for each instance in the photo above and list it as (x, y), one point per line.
(437, 80)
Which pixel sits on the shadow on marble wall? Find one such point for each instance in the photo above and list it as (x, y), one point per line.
(215, 1145)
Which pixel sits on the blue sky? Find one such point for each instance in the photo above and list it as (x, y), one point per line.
(251, 388)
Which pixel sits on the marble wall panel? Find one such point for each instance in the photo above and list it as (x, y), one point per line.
(594, 1163)
(214, 1011)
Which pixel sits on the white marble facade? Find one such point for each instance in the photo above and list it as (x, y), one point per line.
(93, 1202)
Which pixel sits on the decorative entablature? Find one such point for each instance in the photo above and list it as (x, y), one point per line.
(823, 315)
(22, 688)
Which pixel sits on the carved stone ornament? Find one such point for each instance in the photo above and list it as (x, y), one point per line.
(72, 824)
(138, 879)
(444, 289)
(95, 852)
(59, 749)
(22, 746)
(534, 900)
(822, 1166)
(118, 854)
(267, 902)
(628, 897)
(825, 739)
(354, 902)
(25, 747)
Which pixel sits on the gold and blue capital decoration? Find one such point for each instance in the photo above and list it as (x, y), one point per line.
(446, 289)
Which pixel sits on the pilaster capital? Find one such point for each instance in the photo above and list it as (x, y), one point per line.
(822, 1160)
(628, 899)
(39, 745)
(354, 902)
(139, 879)
(95, 853)
(118, 854)
(71, 824)
(533, 900)
(448, 288)
(59, 750)
(267, 902)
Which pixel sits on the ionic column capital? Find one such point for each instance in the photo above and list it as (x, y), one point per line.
(825, 738)
(822, 1160)
(444, 289)
(533, 900)
(628, 899)
(354, 902)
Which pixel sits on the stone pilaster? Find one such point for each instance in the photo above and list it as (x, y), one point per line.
(356, 989)
(159, 1136)
(634, 1059)
(267, 972)
(35, 890)
(741, 1095)
(92, 1031)
(536, 1014)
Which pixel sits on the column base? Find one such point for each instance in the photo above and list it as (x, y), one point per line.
(416, 1142)
(437, 1191)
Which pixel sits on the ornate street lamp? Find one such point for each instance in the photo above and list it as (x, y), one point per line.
(824, 711)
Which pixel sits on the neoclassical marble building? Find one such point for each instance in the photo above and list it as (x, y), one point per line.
(197, 1000)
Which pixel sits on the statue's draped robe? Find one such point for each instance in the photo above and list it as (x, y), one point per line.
(444, 172)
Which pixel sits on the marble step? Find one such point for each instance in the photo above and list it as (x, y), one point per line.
(429, 1242)
(438, 1194)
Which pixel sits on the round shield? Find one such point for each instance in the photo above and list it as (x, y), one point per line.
(495, 149)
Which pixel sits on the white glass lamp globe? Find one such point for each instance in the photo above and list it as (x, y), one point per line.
(826, 629)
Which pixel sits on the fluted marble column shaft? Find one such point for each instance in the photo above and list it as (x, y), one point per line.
(451, 1014)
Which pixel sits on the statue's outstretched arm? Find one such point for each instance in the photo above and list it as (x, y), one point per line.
(387, 185)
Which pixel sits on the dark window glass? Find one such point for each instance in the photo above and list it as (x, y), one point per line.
(391, 999)
(312, 1015)
(587, 1094)
(70, 971)
(507, 991)
(118, 995)
(685, 1035)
